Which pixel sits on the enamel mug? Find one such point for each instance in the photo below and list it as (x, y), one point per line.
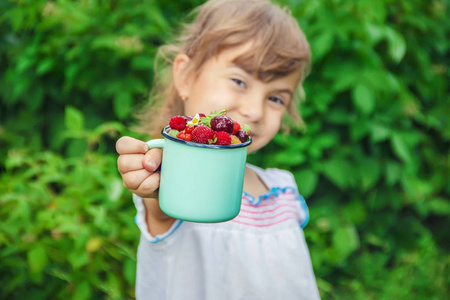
(200, 182)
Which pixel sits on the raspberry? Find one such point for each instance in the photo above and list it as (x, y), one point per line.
(222, 123)
(185, 136)
(223, 138)
(203, 135)
(177, 123)
(236, 127)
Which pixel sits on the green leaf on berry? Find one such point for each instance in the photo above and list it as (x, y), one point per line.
(207, 120)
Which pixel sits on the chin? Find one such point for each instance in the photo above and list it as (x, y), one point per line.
(253, 147)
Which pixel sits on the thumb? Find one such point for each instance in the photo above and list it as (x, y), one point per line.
(152, 159)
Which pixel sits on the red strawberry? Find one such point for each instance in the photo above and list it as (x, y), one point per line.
(189, 129)
(223, 138)
(236, 127)
(177, 123)
(188, 137)
(185, 136)
(202, 115)
(203, 135)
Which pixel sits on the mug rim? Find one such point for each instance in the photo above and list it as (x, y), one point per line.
(209, 146)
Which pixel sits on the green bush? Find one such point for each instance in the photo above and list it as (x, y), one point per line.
(372, 160)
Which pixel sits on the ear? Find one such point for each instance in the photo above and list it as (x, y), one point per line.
(181, 78)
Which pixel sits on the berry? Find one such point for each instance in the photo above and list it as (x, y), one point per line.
(189, 129)
(177, 123)
(242, 135)
(203, 135)
(247, 129)
(222, 123)
(223, 138)
(236, 127)
(185, 136)
(235, 140)
(174, 132)
(202, 115)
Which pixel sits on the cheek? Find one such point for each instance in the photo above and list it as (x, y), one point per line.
(274, 125)
(208, 97)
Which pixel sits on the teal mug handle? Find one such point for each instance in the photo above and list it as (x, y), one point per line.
(157, 143)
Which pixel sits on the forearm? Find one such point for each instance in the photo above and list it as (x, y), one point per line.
(157, 221)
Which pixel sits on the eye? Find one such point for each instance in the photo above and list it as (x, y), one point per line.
(277, 99)
(239, 82)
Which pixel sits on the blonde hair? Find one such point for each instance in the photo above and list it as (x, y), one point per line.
(279, 49)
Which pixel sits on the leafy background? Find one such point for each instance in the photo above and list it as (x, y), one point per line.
(372, 160)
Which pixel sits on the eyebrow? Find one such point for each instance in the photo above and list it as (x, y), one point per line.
(288, 91)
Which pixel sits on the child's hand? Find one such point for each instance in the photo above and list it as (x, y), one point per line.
(138, 166)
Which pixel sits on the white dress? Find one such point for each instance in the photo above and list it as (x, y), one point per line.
(261, 254)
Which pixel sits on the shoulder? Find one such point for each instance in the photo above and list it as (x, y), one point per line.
(275, 177)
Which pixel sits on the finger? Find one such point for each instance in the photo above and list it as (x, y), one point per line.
(152, 159)
(149, 186)
(133, 179)
(129, 162)
(129, 145)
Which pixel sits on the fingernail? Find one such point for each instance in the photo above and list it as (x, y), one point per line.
(146, 148)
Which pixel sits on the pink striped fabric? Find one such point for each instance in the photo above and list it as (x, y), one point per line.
(276, 207)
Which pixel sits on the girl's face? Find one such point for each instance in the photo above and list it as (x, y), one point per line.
(222, 84)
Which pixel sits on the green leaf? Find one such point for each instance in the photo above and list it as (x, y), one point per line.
(77, 148)
(322, 44)
(356, 211)
(44, 66)
(345, 240)
(439, 206)
(129, 271)
(363, 98)
(379, 132)
(37, 259)
(289, 157)
(393, 173)
(400, 148)
(82, 290)
(78, 259)
(338, 171)
(123, 102)
(397, 44)
(142, 62)
(306, 181)
(370, 171)
(73, 119)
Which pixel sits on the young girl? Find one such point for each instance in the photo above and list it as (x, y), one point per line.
(250, 57)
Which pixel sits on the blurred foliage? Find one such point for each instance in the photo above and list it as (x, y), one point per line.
(372, 161)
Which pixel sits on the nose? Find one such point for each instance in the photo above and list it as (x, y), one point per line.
(252, 108)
